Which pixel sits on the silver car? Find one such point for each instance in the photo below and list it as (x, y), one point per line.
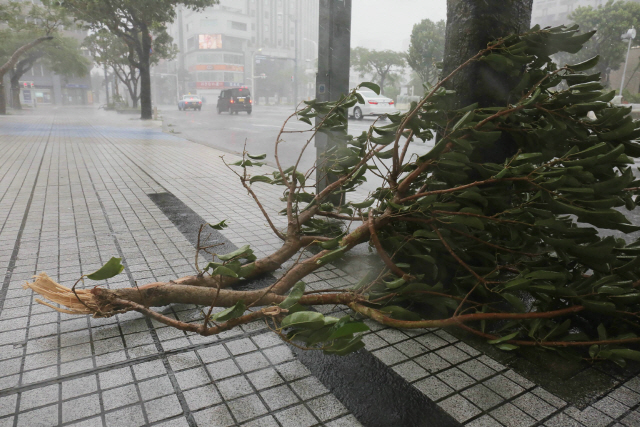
(374, 105)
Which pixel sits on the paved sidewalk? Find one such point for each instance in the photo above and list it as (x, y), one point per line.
(82, 186)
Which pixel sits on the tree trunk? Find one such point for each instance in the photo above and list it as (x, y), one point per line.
(146, 112)
(3, 99)
(471, 24)
(15, 92)
(11, 62)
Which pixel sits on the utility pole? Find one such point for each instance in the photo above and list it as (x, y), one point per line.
(332, 80)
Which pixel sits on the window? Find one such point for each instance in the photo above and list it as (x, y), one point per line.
(208, 24)
(238, 26)
(233, 59)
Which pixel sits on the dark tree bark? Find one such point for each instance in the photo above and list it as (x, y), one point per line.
(3, 98)
(146, 112)
(471, 24)
(21, 67)
(11, 62)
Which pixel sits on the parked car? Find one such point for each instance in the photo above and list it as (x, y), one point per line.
(190, 101)
(374, 105)
(234, 100)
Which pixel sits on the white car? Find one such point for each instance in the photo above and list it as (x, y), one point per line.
(374, 105)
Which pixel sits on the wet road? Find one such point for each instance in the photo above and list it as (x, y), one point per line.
(229, 132)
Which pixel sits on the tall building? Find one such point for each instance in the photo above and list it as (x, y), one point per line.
(226, 45)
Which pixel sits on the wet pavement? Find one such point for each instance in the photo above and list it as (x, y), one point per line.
(80, 186)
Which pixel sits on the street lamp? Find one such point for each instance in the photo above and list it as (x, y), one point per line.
(253, 75)
(629, 35)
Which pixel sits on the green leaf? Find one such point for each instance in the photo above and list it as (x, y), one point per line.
(583, 66)
(504, 338)
(395, 283)
(599, 306)
(331, 256)
(374, 87)
(260, 178)
(219, 226)
(110, 269)
(360, 98)
(469, 221)
(294, 296)
(507, 347)
(245, 250)
(224, 271)
(346, 328)
(230, 313)
(303, 320)
(257, 157)
(627, 354)
(363, 205)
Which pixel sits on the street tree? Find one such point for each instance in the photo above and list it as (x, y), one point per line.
(507, 250)
(25, 26)
(426, 49)
(135, 22)
(110, 51)
(381, 65)
(62, 55)
(610, 22)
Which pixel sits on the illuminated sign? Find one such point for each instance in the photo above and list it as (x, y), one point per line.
(210, 41)
(216, 67)
(217, 85)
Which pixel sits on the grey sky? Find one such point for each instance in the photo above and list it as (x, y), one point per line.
(387, 24)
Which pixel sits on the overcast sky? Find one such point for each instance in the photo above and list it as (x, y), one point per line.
(385, 24)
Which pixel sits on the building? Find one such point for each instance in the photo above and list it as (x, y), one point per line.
(226, 45)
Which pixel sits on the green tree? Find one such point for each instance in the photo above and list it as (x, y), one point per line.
(610, 22)
(426, 49)
(62, 55)
(134, 22)
(508, 250)
(381, 65)
(112, 52)
(24, 27)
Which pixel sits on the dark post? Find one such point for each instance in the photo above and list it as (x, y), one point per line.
(332, 80)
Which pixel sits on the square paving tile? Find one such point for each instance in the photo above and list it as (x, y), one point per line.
(298, 416)
(279, 397)
(247, 407)
(234, 387)
(459, 408)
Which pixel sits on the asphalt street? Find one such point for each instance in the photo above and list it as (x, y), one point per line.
(229, 132)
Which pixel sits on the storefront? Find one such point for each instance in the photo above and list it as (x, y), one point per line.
(75, 94)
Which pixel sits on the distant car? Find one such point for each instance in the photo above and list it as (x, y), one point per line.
(234, 100)
(190, 101)
(374, 105)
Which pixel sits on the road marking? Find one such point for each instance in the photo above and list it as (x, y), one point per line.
(243, 130)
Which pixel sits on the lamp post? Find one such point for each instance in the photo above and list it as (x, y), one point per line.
(629, 35)
(253, 75)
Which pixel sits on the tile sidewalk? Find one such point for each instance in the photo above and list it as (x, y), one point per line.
(74, 191)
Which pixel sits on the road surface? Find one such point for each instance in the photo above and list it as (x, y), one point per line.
(228, 132)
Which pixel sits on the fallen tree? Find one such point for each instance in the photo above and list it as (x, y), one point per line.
(505, 250)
